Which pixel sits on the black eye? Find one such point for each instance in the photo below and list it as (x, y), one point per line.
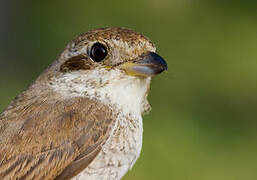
(98, 52)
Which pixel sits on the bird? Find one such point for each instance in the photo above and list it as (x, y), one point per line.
(82, 116)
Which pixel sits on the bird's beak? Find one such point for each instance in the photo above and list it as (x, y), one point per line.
(148, 64)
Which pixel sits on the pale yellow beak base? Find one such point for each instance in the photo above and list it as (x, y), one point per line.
(148, 65)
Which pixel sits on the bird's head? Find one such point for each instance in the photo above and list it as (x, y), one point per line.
(113, 48)
(108, 60)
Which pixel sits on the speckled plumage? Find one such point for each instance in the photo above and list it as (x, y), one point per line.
(80, 119)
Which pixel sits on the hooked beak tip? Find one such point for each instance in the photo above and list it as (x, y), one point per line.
(148, 64)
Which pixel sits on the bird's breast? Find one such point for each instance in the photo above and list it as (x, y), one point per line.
(119, 153)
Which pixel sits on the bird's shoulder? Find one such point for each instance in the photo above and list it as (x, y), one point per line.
(50, 138)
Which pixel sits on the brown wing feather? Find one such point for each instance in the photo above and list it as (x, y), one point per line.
(48, 140)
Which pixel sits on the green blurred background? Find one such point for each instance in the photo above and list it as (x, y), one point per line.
(203, 123)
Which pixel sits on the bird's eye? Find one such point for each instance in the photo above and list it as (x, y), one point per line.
(98, 52)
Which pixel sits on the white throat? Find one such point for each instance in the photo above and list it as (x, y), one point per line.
(111, 87)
